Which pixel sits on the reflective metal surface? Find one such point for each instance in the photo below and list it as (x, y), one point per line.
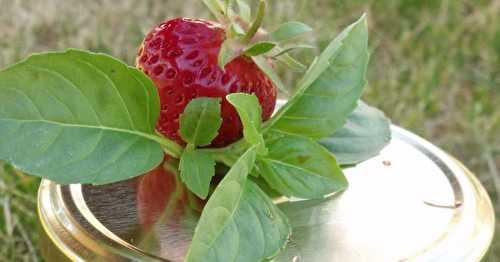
(413, 202)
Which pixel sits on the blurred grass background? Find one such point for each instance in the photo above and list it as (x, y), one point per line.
(435, 69)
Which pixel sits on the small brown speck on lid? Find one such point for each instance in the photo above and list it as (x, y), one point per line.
(455, 205)
(386, 163)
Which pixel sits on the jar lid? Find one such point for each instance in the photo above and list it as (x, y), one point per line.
(413, 202)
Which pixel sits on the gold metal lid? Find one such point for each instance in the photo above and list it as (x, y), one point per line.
(413, 202)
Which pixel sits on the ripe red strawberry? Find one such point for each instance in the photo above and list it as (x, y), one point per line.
(180, 55)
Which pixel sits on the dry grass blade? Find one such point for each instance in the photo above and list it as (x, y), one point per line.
(32, 253)
(492, 165)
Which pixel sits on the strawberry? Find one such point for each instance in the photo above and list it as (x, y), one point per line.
(180, 56)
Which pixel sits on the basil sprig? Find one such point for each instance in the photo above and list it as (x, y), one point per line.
(82, 117)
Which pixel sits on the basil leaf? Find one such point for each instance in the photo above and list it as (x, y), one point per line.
(329, 91)
(250, 112)
(239, 222)
(366, 132)
(200, 121)
(289, 30)
(300, 167)
(152, 95)
(259, 48)
(78, 117)
(197, 169)
(269, 71)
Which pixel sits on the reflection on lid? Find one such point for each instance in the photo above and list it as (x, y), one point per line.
(167, 212)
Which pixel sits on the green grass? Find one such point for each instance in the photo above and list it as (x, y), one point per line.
(434, 70)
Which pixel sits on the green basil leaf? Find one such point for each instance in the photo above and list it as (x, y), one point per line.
(250, 113)
(197, 169)
(289, 30)
(259, 48)
(200, 121)
(152, 94)
(366, 132)
(245, 11)
(300, 167)
(239, 222)
(269, 71)
(78, 117)
(264, 186)
(330, 89)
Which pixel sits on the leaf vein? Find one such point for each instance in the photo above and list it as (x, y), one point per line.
(113, 85)
(61, 76)
(148, 101)
(116, 158)
(23, 93)
(86, 155)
